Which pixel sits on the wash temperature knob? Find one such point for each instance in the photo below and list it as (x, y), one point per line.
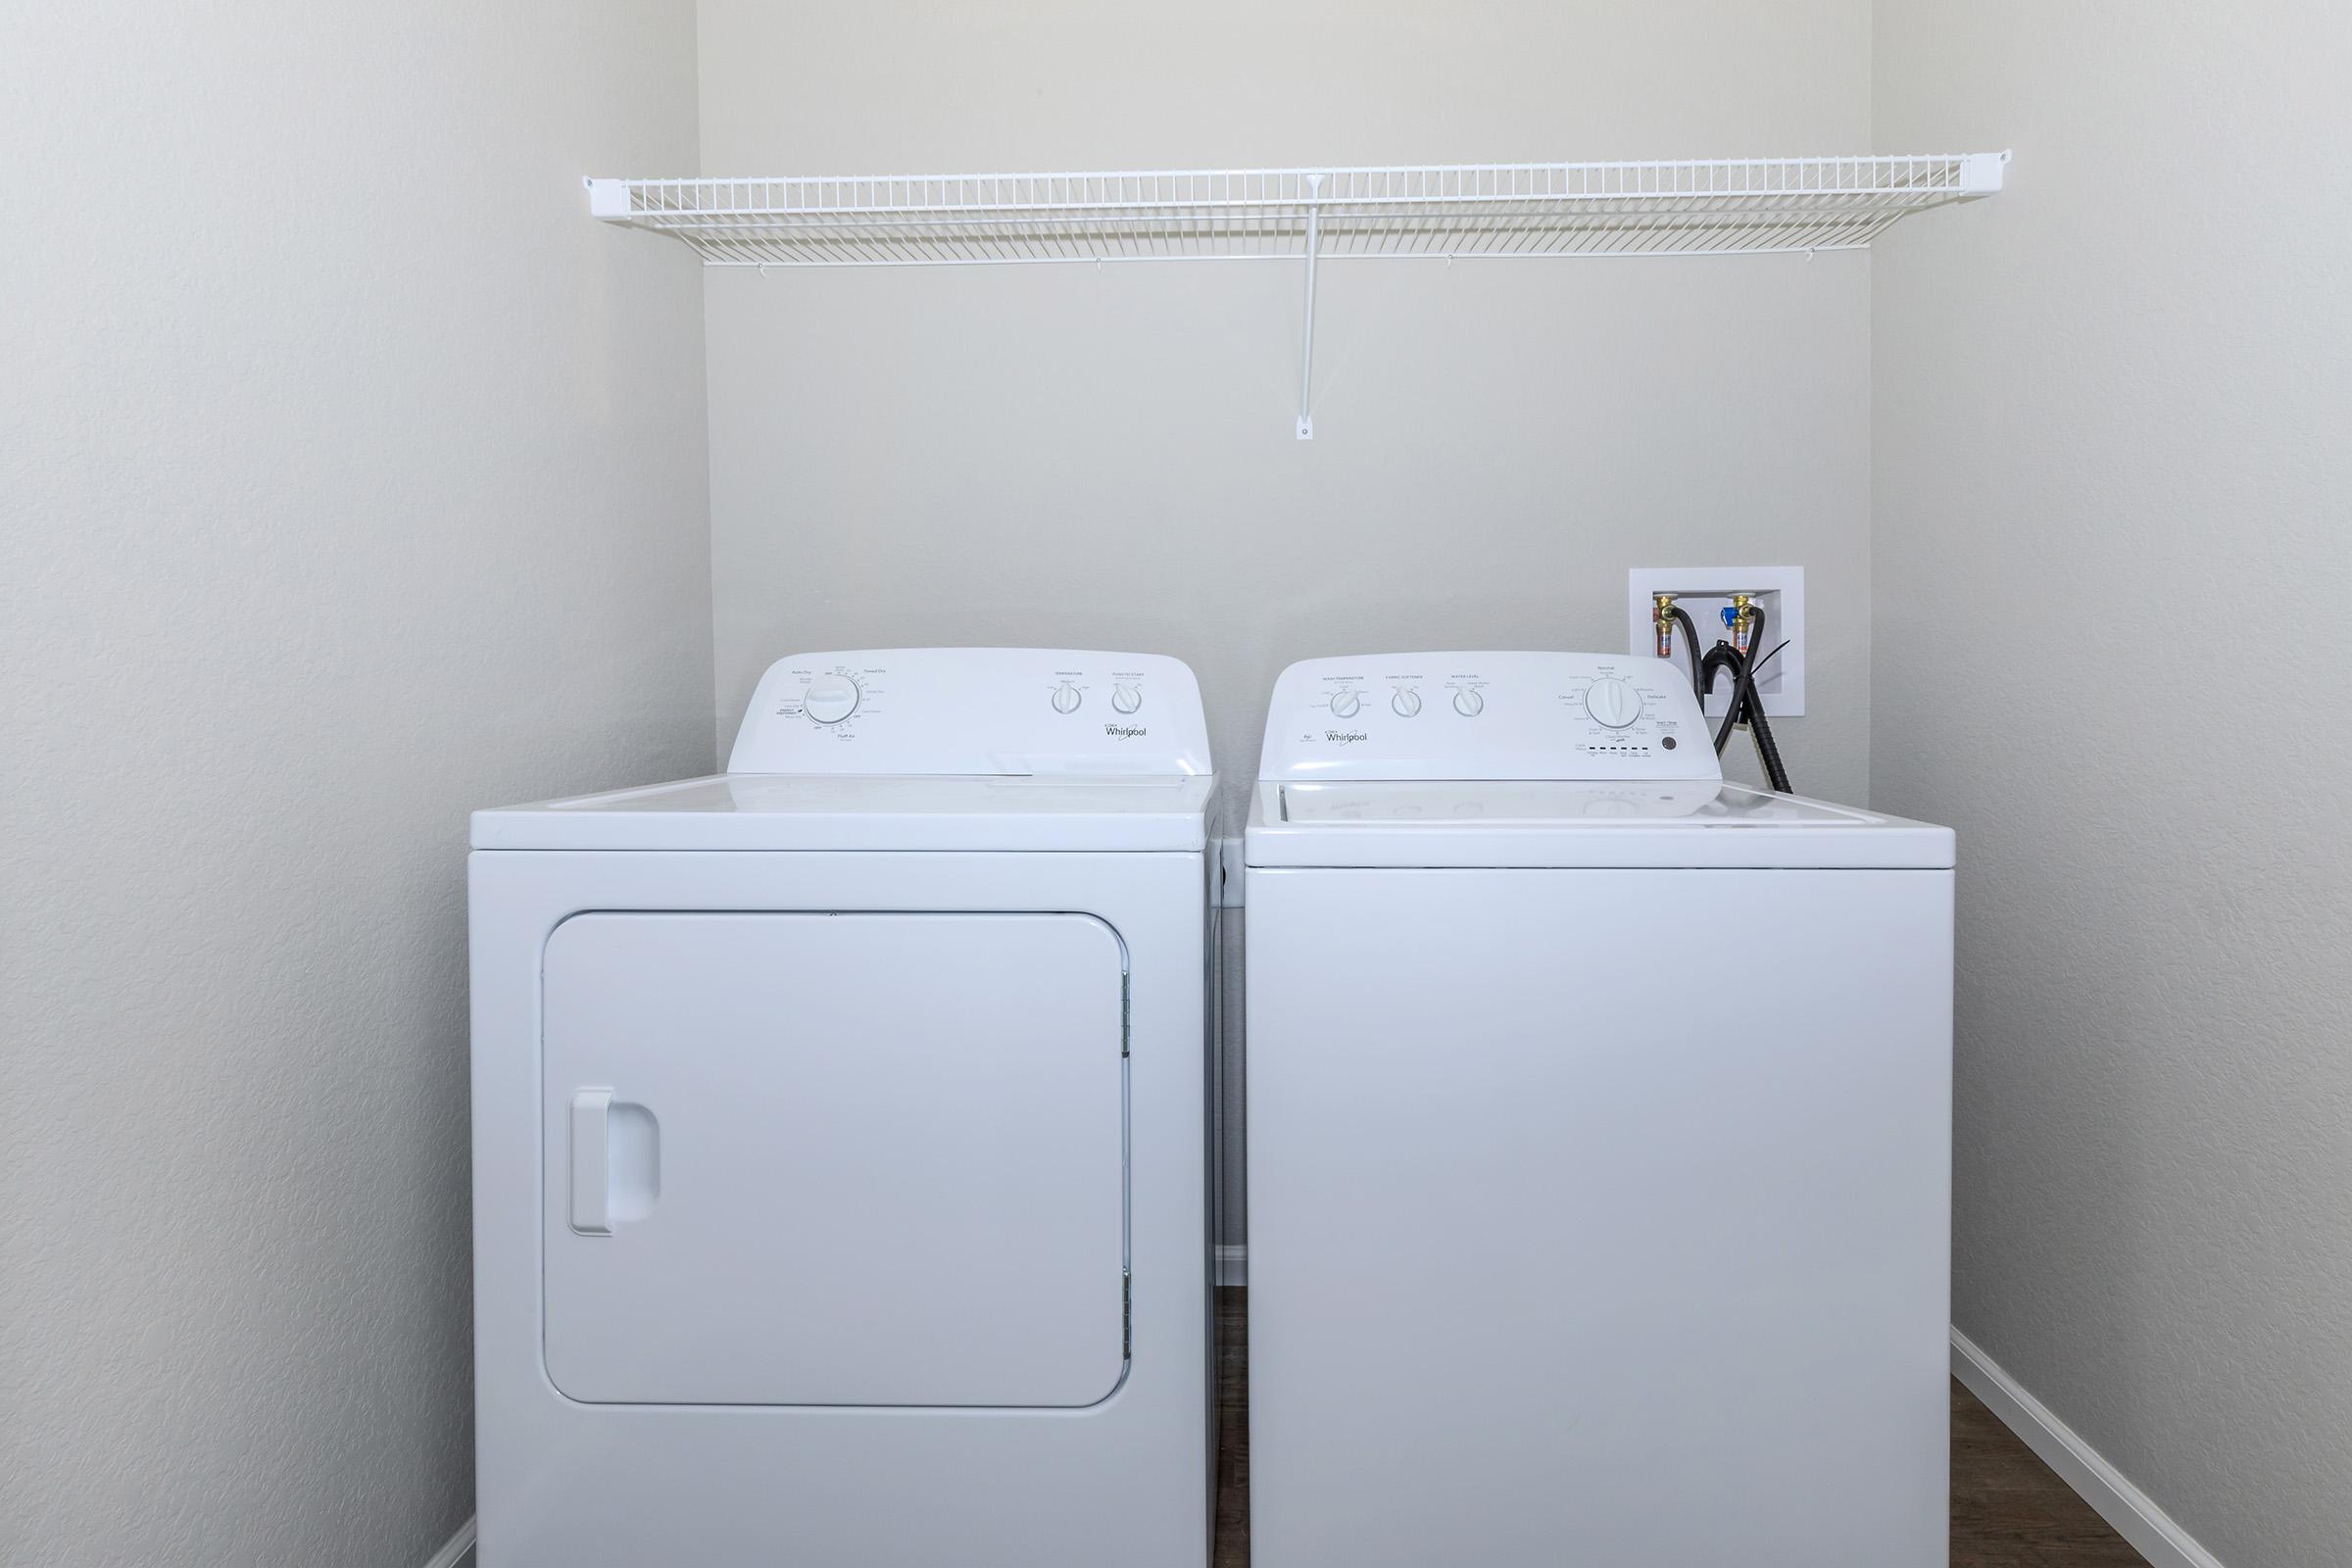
(1126, 698)
(1406, 701)
(831, 698)
(1468, 703)
(1066, 698)
(1345, 705)
(1613, 703)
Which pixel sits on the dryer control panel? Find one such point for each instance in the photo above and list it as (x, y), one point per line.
(974, 713)
(1487, 715)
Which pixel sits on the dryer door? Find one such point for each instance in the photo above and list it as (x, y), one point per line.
(835, 1159)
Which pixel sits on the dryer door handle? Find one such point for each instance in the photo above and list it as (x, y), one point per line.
(591, 1161)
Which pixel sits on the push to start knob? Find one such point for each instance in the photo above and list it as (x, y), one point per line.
(1126, 698)
(1613, 703)
(831, 698)
(1066, 698)
(1345, 705)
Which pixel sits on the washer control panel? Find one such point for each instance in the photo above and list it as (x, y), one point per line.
(974, 711)
(1487, 715)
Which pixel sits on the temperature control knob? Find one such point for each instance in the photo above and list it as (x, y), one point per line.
(1126, 698)
(1406, 701)
(1066, 698)
(1345, 705)
(831, 698)
(1613, 703)
(1468, 703)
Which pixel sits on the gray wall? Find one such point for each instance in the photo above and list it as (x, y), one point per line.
(1044, 455)
(2110, 422)
(1065, 456)
(352, 479)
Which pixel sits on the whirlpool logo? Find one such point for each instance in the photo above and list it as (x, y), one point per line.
(1345, 737)
(1125, 732)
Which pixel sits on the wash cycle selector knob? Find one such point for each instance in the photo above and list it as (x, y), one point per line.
(1066, 698)
(1406, 701)
(1613, 703)
(1468, 703)
(1126, 698)
(1345, 705)
(831, 698)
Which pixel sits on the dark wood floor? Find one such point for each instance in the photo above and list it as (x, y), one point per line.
(2009, 1510)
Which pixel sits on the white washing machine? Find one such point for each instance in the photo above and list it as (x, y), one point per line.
(839, 1142)
(1598, 1136)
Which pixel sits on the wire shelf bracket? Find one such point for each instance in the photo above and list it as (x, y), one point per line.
(1723, 207)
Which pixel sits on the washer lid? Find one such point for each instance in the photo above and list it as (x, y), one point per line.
(781, 812)
(1564, 823)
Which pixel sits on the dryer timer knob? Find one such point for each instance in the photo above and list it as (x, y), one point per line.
(831, 698)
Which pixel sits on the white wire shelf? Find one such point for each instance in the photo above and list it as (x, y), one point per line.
(1719, 207)
(1691, 208)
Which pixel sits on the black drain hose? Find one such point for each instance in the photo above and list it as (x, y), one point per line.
(1748, 707)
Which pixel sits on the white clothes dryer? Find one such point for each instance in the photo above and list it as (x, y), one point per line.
(840, 1159)
(1598, 1136)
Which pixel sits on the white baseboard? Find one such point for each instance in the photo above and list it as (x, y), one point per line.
(2154, 1533)
(457, 1552)
(1233, 1266)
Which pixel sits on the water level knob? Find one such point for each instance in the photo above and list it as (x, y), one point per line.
(1468, 703)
